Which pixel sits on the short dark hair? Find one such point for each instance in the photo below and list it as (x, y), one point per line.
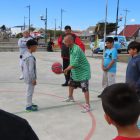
(31, 43)
(67, 27)
(134, 45)
(109, 39)
(121, 103)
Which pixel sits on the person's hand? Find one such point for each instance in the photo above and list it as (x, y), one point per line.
(34, 82)
(105, 69)
(65, 71)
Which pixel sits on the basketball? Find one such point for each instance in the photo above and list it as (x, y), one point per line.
(57, 68)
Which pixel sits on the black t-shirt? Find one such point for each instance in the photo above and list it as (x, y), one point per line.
(13, 127)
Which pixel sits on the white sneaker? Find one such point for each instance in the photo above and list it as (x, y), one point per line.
(69, 99)
(21, 77)
(86, 108)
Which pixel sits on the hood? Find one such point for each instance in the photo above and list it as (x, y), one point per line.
(26, 55)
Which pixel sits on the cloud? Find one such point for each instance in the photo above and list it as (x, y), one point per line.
(132, 20)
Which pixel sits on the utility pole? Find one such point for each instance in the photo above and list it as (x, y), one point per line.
(61, 27)
(105, 23)
(29, 17)
(54, 29)
(24, 22)
(46, 28)
(45, 21)
(117, 17)
(126, 11)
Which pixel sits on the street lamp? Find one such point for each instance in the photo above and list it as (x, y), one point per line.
(45, 20)
(29, 7)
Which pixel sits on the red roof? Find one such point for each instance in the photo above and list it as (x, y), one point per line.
(130, 30)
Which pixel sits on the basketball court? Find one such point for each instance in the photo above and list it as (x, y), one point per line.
(56, 120)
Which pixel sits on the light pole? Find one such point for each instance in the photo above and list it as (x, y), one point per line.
(117, 17)
(54, 29)
(24, 22)
(105, 24)
(45, 20)
(126, 10)
(29, 7)
(62, 10)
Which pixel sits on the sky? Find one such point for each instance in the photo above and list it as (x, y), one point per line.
(79, 14)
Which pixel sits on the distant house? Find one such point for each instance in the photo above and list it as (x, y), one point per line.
(131, 31)
(86, 34)
(16, 30)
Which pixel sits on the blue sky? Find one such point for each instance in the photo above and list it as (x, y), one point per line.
(80, 14)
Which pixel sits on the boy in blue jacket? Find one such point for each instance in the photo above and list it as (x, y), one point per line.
(133, 67)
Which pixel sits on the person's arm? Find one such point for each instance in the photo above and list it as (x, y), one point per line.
(32, 72)
(114, 59)
(68, 69)
(79, 43)
(110, 65)
(74, 61)
(59, 41)
(138, 81)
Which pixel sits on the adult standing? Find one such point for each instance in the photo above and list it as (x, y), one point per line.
(23, 48)
(80, 69)
(65, 51)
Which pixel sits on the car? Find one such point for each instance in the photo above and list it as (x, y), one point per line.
(120, 43)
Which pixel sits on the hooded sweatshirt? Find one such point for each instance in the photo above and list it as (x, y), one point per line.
(133, 72)
(29, 67)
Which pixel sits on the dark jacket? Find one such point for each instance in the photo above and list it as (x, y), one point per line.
(133, 72)
(13, 127)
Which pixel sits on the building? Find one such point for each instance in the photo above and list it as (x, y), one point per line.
(131, 31)
(17, 29)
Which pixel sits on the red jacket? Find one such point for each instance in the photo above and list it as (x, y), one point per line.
(77, 42)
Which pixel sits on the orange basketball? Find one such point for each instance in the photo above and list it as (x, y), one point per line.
(57, 68)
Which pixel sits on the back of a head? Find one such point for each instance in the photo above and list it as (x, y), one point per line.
(67, 27)
(121, 103)
(109, 39)
(31, 43)
(134, 45)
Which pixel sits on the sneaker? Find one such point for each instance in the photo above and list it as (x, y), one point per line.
(31, 108)
(86, 108)
(69, 99)
(33, 105)
(21, 77)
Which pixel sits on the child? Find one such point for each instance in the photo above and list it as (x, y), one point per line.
(29, 73)
(122, 109)
(133, 68)
(80, 71)
(109, 63)
(23, 48)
